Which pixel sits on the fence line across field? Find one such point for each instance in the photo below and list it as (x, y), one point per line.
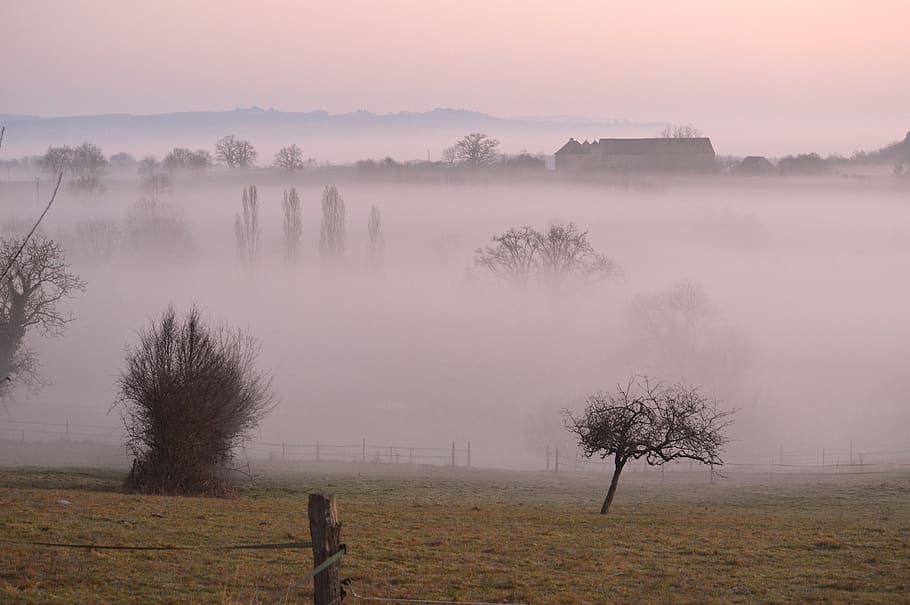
(843, 459)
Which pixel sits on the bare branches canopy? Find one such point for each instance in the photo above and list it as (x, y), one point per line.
(475, 150)
(234, 152)
(289, 158)
(521, 255)
(38, 280)
(654, 421)
(680, 132)
(188, 396)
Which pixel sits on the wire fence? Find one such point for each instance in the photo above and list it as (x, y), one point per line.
(882, 458)
(843, 459)
(31, 431)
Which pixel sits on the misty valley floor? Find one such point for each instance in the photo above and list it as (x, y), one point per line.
(468, 535)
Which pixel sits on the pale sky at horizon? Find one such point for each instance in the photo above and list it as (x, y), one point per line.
(831, 71)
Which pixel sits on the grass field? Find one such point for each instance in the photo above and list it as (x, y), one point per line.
(468, 535)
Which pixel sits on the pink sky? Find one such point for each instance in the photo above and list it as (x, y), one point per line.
(768, 76)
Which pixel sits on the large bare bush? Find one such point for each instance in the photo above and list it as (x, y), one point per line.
(189, 395)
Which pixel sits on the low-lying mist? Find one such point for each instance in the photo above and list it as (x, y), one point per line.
(787, 302)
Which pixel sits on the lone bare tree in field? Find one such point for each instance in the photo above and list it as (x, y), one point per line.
(656, 422)
(331, 234)
(234, 152)
(377, 241)
(37, 280)
(246, 226)
(189, 395)
(552, 257)
(476, 149)
(292, 225)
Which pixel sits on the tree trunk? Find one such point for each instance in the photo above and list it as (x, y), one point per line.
(613, 482)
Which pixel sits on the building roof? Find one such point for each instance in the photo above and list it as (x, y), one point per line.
(657, 146)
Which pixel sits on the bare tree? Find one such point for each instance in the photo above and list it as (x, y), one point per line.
(680, 132)
(234, 152)
(564, 251)
(157, 230)
(293, 225)
(377, 240)
(36, 281)
(189, 395)
(476, 149)
(84, 165)
(513, 256)
(289, 158)
(246, 226)
(332, 232)
(449, 155)
(552, 257)
(180, 159)
(656, 422)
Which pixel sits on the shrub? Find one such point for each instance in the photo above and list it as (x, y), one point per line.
(189, 395)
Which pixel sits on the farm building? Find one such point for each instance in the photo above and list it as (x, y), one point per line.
(755, 165)
(637, 155)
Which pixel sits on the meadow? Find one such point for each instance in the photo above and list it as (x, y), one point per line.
(466, 535)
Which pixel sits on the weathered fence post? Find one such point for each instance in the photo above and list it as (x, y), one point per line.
(363, 452)
(469, 454)
(317, 451)
(325, 531)
(453, 453)
(556, 467)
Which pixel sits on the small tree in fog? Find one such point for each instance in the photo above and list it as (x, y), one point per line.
(234, 152)
(331, 233)
(377, 240)
(449, 155)
(657, 422)
(289, 158)
(560, 253)
(293, 225)
(84, 165)
(246, 226)
(157, 230)
(189, 395)
(182, 159)
(38, 280)
(476, 149)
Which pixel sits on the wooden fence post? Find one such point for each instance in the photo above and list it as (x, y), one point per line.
(325, 531)
(556, 468)
(469, 454)
(453, 453)
(363, 452)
